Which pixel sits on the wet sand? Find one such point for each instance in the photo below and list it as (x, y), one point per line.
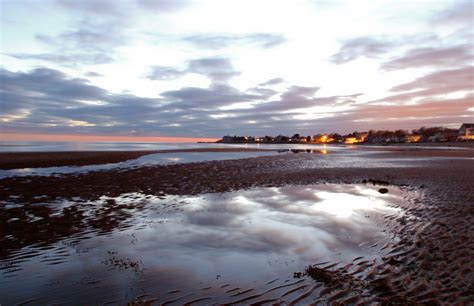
(432, 263)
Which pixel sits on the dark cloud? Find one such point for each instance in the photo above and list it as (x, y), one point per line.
(67, 60)
(271, 82)
(453, 79)
(51, 83)
(361, 47)
(89, 35)
(205, 98)
(430, 111)
(52, 100)
(432, 57)
(290, 103)
(46, 100)
(101, 8)
(263, 40)
(161, 6)
(461, 13)
(425, 99)
(49, 100)
(263, 91)
(92, 38)
(165, 73)
(438, 83)
(219, 70)
(93, 74)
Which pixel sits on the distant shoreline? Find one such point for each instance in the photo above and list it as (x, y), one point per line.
(459, 144)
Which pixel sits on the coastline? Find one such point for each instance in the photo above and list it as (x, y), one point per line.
(431, 263)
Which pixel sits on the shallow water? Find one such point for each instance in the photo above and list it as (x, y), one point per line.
(143, 161)
(323, 157)
(153, 159)
(216, 247)
(48, 146)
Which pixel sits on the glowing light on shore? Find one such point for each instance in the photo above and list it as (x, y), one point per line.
(350, 140)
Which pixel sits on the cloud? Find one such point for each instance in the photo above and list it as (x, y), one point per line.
(66, 60)
(425, 98)
(461, 13)
(218, 70)
(165, 73)
(47, 100)
(262, 40)
(434, 84)
(93, 74)
(160, 6)
(49, 82)
(430, 111)
(89, 35)
(204, 98)
(361, 47)
(271, 82)
(100, 8)
(90, 40)
(432, 57)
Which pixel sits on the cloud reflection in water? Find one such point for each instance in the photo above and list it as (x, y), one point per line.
(245, 238)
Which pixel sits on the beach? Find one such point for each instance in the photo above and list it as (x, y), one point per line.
(431, 260)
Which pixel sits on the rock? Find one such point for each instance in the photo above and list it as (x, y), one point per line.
(383, 190)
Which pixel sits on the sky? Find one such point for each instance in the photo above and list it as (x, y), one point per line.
(204, 69)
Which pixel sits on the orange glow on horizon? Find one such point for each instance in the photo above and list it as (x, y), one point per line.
(98, 138)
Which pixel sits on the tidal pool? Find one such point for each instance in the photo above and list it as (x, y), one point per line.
(241, 246)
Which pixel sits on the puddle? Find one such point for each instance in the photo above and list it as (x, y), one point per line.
(213, 248)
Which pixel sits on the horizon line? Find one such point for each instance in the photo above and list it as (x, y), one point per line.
(99, 138)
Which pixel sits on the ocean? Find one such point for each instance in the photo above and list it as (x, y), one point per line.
(45, 146)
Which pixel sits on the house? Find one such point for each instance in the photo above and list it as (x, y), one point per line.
(466, 132)
(446, 136)
(356, 137)
(281, 138)
(295, 138)
(321, 138)
(413, 138)
(360, 137)
(350, 140)
(337, 138)
(228, 138)
(268, 139)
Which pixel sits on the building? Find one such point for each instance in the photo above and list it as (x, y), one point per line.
(356, 137)
(413, 138)
(282, 138)
(444, 136)
(321, 138)
(466, 132)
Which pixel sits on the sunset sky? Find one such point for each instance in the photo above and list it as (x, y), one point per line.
(247, 67)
